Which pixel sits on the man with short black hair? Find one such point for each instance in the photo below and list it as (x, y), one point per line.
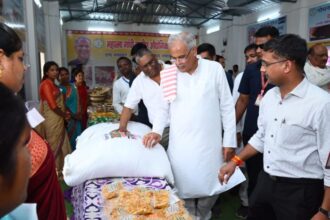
(206, 51)
(121, 85)
(146, 88)
(252, 88)
(293, 130)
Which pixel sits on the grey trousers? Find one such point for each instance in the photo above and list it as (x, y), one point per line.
(165, 138)
(200, 208)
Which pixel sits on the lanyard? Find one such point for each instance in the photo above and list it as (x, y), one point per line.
(263, 84)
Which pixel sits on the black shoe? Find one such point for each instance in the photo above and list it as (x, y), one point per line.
(242, 212)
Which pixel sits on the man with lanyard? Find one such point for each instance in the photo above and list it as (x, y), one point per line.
(121, 85)
(316, 69)
(145, 87)
(202, 109)
(293, 133)
(252, 88)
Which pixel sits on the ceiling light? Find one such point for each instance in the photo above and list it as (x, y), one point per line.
(269, 16)
(38, 3)
(104, 29)
(212, 29)
(169, 31)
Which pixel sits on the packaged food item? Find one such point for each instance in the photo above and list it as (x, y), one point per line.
(136, 202)
(161, 199)
(112, 190)
(141, 203)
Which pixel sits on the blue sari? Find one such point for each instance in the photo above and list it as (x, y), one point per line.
(72, 103)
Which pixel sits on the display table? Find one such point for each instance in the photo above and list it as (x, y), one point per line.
(87, 200)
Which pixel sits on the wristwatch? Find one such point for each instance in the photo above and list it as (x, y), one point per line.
(324, 212)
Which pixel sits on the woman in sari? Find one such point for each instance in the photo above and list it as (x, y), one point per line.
(43, 187)
(78, 75)
(54, 111)
(70, 93)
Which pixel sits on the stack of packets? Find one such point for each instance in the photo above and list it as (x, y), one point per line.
(99, 117)
(141, 203)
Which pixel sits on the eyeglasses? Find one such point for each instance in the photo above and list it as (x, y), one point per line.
(151, 63)
(181, 59)
(266, 64)
(27, 65)
(261, 46)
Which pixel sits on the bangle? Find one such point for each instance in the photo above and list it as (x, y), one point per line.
(238, 161)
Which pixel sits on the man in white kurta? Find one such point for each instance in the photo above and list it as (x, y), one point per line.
(203, 107)
(316, 69)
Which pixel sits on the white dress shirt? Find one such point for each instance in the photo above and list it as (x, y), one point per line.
(149, 91)
(294, 132)
(119, 93)
(202, 108)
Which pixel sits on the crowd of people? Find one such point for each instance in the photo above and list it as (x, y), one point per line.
(271, 120)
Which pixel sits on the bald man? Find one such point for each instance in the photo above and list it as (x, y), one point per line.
(316, 69)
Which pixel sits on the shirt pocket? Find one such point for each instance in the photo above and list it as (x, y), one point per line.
(295, 136)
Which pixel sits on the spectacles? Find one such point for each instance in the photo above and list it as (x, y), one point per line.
(27, 65)
(266, 64)
(151, 63)
(181, 59)
(261, 46)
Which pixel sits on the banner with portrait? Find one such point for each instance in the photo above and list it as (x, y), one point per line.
(319, 22)
(97, 52)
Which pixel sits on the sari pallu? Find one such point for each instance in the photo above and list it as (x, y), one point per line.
(44, 188)
(72, 103)
(54, 129)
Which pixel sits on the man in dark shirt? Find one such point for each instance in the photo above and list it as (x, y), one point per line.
(252, 88)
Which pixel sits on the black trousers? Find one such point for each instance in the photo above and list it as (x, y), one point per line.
(276, 198)
(253, 167)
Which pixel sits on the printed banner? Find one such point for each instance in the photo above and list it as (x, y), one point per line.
(319, 22)
(279, 23)
(97, 52)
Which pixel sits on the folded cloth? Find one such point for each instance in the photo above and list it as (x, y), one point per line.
(168, 78)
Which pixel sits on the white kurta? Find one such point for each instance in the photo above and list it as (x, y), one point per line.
(203, 107)
(119, 93)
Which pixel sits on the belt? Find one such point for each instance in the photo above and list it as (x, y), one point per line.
(294, 180)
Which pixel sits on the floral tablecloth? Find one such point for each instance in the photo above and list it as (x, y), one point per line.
(87, 199)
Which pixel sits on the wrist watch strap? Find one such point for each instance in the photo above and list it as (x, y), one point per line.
(325, 212)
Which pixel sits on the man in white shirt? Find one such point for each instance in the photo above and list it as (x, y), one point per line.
(316, 69)
(293, 134)
(146, 87)
(121, 85)
(203, 107)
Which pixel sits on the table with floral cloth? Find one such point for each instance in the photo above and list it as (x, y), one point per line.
(87, 200)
